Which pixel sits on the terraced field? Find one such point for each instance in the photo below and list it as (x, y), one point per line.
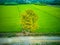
(48, 17)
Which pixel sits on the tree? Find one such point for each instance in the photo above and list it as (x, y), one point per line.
(28, 21)
(57, 2)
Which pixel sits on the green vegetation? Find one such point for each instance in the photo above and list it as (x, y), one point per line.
(48, 18)
(29, 21)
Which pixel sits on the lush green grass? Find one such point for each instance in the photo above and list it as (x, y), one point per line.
(49, 17)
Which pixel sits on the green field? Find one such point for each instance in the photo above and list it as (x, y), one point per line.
(49, 17)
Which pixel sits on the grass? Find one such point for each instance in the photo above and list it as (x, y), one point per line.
(48, 21)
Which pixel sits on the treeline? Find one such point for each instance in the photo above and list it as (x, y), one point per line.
(55, 2)
(51, 2)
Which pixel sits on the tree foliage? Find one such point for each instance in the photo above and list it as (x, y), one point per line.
(29, 20)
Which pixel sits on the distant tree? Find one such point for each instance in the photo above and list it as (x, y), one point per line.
(2, 2)
(21, 1)
(57, 2)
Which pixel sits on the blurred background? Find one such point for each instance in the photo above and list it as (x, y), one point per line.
(52, 2)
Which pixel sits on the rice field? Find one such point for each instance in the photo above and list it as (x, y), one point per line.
(48, 18)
